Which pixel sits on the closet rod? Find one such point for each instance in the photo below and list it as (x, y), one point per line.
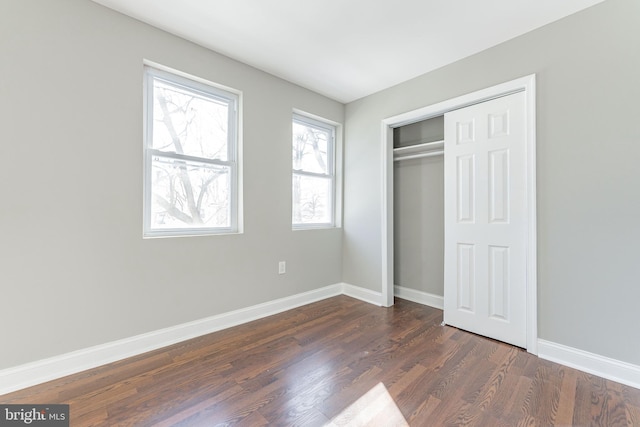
(420, 147)
(418, 156)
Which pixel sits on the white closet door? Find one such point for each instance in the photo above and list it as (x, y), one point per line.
(485, 219)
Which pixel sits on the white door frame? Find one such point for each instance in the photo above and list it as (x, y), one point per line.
(525, 84)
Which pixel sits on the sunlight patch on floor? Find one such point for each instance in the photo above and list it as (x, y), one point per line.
(375, 408)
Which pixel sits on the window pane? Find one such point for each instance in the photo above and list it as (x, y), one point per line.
(310, 148)
(186, 195)
(187, 122)
(311, 200)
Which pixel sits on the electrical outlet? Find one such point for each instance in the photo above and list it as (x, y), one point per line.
(282, 267)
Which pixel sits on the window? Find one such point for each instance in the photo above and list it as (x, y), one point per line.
(191, 157)
(313, 173)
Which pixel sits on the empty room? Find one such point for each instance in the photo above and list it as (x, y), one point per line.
(408, 213)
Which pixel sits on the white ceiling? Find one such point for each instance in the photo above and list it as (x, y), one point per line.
(347, 49)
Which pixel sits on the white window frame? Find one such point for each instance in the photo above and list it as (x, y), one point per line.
(332, 145)
(209, 90)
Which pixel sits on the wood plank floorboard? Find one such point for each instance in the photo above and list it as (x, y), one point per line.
(339, 362)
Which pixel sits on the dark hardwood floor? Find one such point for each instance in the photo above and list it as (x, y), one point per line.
(339, 362)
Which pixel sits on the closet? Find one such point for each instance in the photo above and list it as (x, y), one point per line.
(459, 228)
(418, 172)
(462, 210)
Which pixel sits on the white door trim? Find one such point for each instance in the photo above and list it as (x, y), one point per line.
(526, 84)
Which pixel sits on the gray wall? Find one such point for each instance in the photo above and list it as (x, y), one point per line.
(430, 130)
(74, 269)
(587, 68)
(418, 218)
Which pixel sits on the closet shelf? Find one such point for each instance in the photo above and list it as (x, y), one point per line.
(425, 146)
(426, 149)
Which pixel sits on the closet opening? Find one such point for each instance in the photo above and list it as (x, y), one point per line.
(418, 211)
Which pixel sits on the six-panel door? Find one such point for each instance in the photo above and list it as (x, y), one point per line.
(485, 219)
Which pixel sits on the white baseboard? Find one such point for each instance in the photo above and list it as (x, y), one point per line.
(41, 371)
(366, 295)
(602, 366)
(421, 297)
